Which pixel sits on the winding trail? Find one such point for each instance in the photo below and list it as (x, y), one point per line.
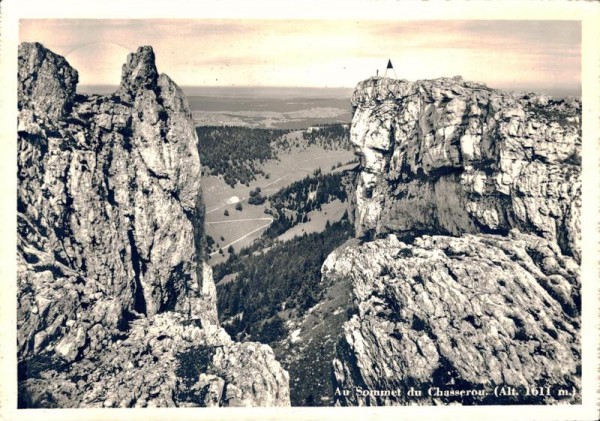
(273, 182)
(225, 205)
(243, 199)
(243, 236)
(238, 220)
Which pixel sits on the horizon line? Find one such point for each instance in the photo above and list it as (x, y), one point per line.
(236, 86)
(517, 88)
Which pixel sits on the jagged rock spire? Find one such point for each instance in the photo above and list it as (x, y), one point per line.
(138, 73)
(46, 81)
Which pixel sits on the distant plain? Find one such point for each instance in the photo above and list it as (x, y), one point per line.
(281, 108)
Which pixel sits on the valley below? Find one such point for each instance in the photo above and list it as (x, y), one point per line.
(276, 225)
(245, 222)
(284, 156)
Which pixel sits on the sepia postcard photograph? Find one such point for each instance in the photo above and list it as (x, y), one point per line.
(286, 210)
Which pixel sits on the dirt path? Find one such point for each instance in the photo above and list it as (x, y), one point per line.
(322, 157)
(225, 205)
(243, 199)
(243, 236)
(273, 182)
(239, 220)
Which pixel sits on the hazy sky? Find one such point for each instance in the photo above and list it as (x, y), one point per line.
(508, 54)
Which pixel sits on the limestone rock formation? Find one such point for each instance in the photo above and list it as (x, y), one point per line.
(467, 278)
(46, 81)
(468, 313)
(454, 157)
(110, 239)
(165, 361)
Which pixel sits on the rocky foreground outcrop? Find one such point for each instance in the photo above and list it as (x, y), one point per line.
(467, 277)
(467, 313)
(115, 302)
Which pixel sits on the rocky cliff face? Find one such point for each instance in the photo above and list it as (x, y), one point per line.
(449, 156)
(112, 286)
(468, 207)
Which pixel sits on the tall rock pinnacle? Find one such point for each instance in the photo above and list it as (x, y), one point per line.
(116, 305)
(138, 73)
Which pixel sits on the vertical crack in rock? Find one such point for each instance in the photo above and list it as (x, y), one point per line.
(139, 301)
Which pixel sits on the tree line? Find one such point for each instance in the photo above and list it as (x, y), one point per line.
(291, 205)
(269, 283)
(329, 136)
(236, 153)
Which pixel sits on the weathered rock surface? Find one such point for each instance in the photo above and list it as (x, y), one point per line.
(453, 157)
(110, 232)
(468, 207)
(165, 361)
(46, 81)
(458, 313)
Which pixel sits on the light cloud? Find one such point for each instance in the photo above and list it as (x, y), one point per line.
(532, 54)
